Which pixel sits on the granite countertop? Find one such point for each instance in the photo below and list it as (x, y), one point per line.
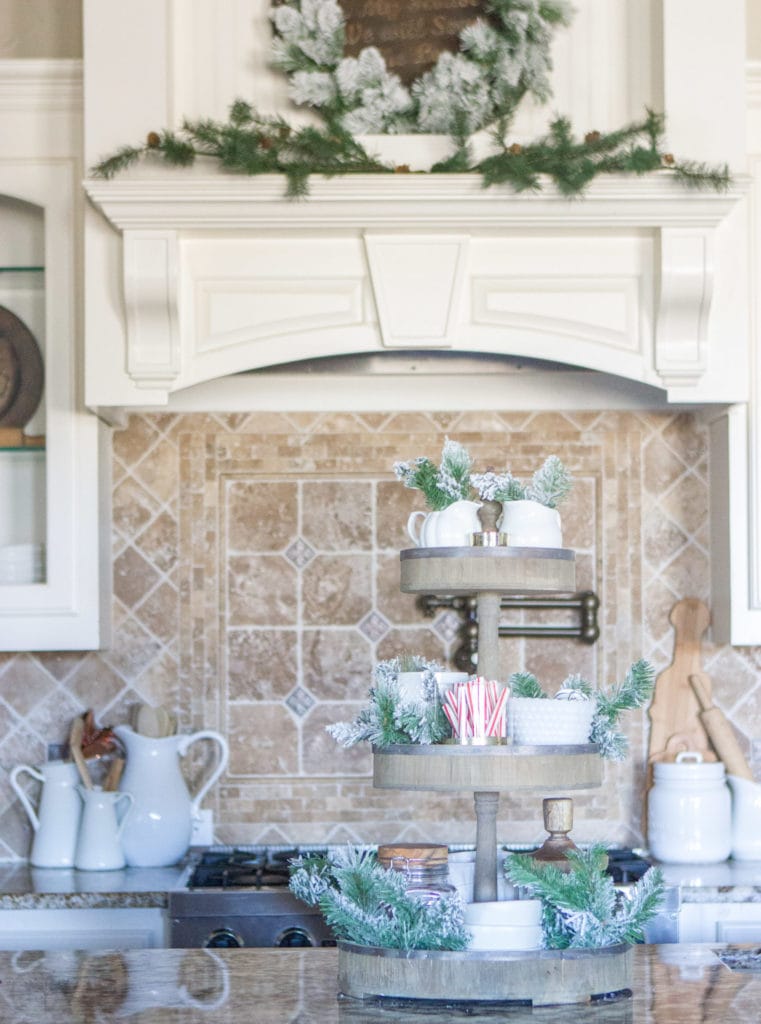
(671, 985)
(25, 887)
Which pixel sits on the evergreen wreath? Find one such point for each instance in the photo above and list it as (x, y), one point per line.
(501, 60)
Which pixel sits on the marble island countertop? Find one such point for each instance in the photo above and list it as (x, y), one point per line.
(671, 985)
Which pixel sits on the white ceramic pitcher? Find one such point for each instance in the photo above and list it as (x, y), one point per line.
(56, 820)
(451, 527)
(157, 832)
(746, 818)
(529, 524)
(99, 846)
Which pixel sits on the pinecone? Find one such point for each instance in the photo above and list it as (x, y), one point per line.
(516, 149)
(153, 140)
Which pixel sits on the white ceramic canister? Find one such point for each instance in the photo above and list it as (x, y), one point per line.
(689, 811)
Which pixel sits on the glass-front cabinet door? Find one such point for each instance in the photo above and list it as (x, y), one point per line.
(50, 557)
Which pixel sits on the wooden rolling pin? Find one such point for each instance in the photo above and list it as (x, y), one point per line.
(719, 730)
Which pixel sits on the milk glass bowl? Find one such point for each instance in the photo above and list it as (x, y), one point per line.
(536, 721)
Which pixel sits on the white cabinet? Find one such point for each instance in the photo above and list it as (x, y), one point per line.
(85, 928)
(49, 492)
(720, 922)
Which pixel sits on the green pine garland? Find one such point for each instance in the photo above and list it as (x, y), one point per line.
(500, 62)
(581, 908)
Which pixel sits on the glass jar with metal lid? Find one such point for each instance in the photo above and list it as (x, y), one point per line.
(425, 867)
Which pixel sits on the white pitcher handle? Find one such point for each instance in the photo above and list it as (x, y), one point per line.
(122, 795)
(224, 754)
(22, 795)
(411, 523)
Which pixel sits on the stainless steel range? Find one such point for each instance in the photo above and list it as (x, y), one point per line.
(240, 897)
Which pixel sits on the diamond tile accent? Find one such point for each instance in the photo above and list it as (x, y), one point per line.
(448, 626)
(300, 553)
(374, 626)
(300, 701)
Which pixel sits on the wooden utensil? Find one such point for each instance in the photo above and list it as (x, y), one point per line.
(675, 720)
(114, 775)
(75, 749)
(719, 730)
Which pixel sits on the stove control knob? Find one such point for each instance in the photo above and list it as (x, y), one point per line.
(294, 937)
(223, 938)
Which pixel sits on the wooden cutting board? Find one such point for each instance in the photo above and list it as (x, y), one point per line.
(675, 722)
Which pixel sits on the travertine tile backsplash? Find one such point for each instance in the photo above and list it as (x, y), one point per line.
(256, 582)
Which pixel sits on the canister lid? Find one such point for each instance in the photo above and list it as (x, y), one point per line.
(689, 764)
(427, 854)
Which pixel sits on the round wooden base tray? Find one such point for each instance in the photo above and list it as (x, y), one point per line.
(448, 767)
(493, 570)
(545, 977)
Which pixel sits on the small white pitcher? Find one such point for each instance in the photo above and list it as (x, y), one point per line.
(56, 820)
(529, 524)
(99, 847)
(451, 527)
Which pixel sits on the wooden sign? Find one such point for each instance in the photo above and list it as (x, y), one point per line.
(409, 33)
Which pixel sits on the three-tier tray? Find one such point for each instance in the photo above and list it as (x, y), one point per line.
(542, 976)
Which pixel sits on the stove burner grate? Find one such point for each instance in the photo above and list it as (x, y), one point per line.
(244, 869)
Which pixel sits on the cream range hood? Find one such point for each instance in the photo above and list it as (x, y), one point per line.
(641, 279)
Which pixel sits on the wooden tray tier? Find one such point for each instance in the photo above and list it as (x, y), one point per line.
(448, 767)
(543, 976)
(495, 570)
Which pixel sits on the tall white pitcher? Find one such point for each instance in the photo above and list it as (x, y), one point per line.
(56, 820)
(157, 832)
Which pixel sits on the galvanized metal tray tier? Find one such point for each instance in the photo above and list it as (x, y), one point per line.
(449, 767)
(501, 570)
(545, 977)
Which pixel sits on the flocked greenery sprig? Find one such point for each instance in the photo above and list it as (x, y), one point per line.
(501, 60)
(368, 904)
(443, 484)
(389, 718)
(632, 692)
(550, 484)
(582, 908)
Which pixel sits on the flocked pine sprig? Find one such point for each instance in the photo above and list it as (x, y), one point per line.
(550, 484)
(525, 684)
(632, 692)
(443, 484)
(582, 908)
(389, 719)
(368, 904)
